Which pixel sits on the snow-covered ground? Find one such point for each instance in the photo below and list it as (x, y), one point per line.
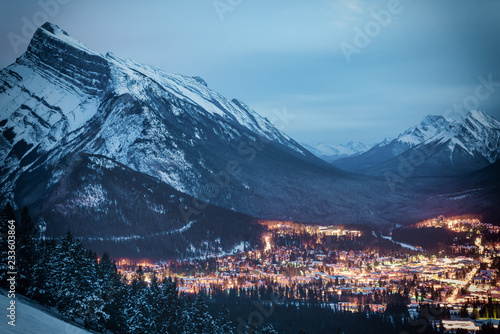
(33, 321)
(408, 246)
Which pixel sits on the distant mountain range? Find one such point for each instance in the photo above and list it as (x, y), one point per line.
(435, 147)
(127, 157)
(330, 153)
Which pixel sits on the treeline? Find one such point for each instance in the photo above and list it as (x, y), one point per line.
(63, 274)
(256, 306)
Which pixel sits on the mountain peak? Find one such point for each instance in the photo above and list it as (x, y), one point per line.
(483, 118)
(430, 119)
(53, 28)
(49, 35)
(52, 50)
(428, 128)
(200, 80)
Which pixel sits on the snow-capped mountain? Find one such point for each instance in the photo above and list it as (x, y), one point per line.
(59, 85)
(330, 153)
(61, 99)
(437, 146)
(128, 156)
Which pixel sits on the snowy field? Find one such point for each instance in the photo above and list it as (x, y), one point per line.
(30, 320)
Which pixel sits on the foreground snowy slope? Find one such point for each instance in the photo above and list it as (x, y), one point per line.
(30, 320)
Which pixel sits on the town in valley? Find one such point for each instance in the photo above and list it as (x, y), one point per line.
(356, 268)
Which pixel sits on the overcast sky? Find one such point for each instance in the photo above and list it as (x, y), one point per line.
(342, 74)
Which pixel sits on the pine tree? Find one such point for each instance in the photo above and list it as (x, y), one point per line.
(109, 278)
(222, 323)
(79, 293)
(463, 311)
(156, 301)
(6, 215)
(116, 307)
(173, 307)
(65, 276)
(91, 286)
(26, 235)
(475, 312)
(43, 286)
(182, 323)
(268, 329)
(139, 313)
(113, 292)
(200, 320)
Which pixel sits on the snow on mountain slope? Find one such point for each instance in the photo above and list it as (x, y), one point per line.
(477, 133)
(430, 126)
(53, 89)
(457, 146)
(192, 90)
(167, 126)
(60, 92)
(34, 321)
(330, 153)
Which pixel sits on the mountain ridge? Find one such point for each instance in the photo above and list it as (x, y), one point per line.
(459, 146)
(331, 152)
